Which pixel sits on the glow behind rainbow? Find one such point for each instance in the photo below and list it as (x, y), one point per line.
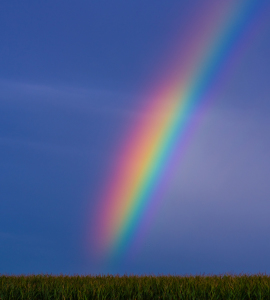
(154, 147)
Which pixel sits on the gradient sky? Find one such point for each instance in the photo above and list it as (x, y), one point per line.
(72, 79)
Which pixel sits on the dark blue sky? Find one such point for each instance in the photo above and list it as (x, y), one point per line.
(71, 78)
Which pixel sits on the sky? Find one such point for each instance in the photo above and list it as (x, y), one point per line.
(77, 79)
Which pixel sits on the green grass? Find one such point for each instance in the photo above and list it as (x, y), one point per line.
(135, 287)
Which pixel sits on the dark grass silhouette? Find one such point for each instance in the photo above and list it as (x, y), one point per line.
(227, 286)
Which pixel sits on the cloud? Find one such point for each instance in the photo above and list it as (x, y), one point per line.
(84, 100)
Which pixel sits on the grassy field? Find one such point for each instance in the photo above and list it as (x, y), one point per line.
(135, 287)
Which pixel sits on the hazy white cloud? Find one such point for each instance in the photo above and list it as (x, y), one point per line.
(100, 101)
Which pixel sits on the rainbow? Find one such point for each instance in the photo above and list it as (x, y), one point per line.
(150, 154)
